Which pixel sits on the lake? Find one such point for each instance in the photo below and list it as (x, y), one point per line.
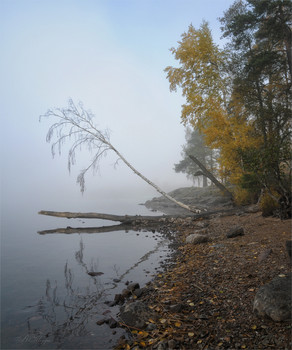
(48, 300)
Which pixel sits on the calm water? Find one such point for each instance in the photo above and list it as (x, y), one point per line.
(48, 300)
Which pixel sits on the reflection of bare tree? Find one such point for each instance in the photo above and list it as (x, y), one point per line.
(68, 314)
(64, 313)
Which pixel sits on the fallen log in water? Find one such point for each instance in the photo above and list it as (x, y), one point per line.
(121, 218)
(130, 219)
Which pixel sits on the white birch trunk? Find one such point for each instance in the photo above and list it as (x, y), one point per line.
(182, 205)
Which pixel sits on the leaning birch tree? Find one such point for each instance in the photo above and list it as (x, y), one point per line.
(75, 124)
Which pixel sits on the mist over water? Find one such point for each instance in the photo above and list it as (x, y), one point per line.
(111, 56)
(42, 273)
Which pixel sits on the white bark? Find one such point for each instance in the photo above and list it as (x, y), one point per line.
(75, 121)
(158, 189)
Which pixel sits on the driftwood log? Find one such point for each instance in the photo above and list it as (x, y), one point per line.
(130, 219)
(129, 222)
(126, 219)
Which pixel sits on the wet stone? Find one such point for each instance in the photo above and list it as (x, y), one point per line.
(133, 286)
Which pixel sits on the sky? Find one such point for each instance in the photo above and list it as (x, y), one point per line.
(111, 55)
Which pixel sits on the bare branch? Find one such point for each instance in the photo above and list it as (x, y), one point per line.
(77, 123)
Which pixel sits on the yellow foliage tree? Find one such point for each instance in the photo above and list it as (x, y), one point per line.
(210, 106)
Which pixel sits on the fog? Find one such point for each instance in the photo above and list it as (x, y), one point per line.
(110, 55)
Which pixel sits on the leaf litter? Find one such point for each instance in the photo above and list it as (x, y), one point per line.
(205, 299)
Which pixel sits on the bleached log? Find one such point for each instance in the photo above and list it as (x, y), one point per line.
(120, 218)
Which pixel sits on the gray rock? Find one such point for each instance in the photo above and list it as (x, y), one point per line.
(235, 231)
(94, 274)
(196, 238)
(133, 286)
(135, 314)
(274, 299)
(138, 292)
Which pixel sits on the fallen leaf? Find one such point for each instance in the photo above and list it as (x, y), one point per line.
(177, 324)
(162, 320)
(191, 334)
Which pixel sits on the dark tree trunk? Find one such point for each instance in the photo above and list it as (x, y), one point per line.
(210, 176)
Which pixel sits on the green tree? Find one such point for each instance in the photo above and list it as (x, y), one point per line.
(260, 33)
(195, 146)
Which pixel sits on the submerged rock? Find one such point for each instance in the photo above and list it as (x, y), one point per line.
(274, 299)
(93, 274)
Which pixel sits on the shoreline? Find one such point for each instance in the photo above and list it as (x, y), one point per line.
(204, 296)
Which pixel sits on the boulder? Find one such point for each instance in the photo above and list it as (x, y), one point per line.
(235, 231)
(274, 299)
(196, 238)
(135, 314)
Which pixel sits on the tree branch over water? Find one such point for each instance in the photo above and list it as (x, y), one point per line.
(75, 124)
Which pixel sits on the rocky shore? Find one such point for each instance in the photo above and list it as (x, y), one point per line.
(228, 285)
(208, 198)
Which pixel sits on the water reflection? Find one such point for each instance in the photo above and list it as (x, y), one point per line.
(66, 317)
(58, 316)
(102, 229)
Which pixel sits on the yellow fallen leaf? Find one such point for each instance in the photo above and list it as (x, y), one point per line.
(177, 324)
(191, 334)
(199, 341)
(142, 343)
(162, 320)
(127, 347)
(143, 334)
(254, 327)
(220, 344)
(243, 346)
(191, 304)
(150, 320)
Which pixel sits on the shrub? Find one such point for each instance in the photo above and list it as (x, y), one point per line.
(243, 197)
(268, 204)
